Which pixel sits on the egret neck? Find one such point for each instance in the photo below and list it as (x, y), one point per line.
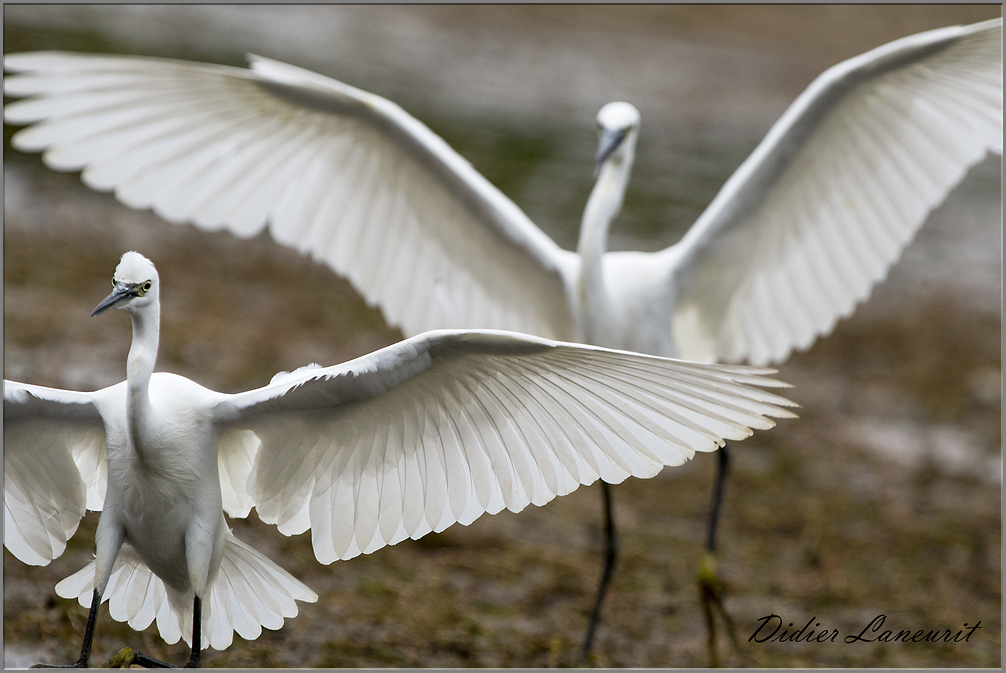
(136, 290)
(614, 163)
(139, 367)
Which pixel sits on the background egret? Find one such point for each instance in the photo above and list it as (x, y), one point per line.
(651, 126)
(408, 440)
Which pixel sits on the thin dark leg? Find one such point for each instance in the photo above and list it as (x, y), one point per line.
(197, 626)
(92, 617)
(723, 468)
(85, 649)
(710, 586)
(610, 555)
(125, 657)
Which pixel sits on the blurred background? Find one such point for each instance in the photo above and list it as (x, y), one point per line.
(883, 498)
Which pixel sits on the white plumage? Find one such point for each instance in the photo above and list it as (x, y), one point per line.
(434, 430)
(795, 238)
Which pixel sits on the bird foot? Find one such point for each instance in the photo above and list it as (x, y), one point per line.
(76, 665)
(711, 590)
(81, 663)
(128, 657)
(593, 660)
(124, 658)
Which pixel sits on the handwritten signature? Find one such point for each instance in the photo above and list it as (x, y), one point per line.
(769, 632)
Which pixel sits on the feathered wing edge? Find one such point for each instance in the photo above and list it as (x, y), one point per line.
(54, 468)
(825, 204)
(441, 428)
(344, 175)
(249, 592)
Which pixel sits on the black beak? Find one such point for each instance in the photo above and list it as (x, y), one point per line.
(610, 140)
(122, 292)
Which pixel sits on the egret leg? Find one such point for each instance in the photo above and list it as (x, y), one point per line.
(197, 625)
(610, 555)
(722, 469)
(123, 659)
(85, 649)
(710, 585)
(92, 617)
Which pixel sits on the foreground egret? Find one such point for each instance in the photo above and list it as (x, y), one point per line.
(410, 439)
(799, 234)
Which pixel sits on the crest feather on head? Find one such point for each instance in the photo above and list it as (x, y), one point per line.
(134, 268)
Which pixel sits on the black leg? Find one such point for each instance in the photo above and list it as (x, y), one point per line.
(197, 626)
(723, 467)
(710, 586)
(610, 555)
(92, 617)
(127, 656)
(85, 649)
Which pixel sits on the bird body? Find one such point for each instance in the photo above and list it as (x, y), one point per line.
(157, 484)
(164, 493)
(435, 430)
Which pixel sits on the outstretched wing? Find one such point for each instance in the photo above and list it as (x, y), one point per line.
(825, 204)
(54, 467)
(440, 428)
(344, 175)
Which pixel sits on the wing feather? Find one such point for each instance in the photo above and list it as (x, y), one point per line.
(537, 414)
(444, 427)
(824, 205)
(330, 170)
(54, 467)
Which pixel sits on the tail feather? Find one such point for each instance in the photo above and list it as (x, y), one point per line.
(249, 592)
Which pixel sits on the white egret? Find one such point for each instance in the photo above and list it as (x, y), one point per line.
(795, 238)
(407, 440)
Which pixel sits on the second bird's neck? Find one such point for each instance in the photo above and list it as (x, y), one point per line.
(603, 206)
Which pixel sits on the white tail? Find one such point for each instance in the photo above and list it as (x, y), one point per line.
(248, 593)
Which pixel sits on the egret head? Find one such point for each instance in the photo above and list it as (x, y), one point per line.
(617, 128)
(135, 284)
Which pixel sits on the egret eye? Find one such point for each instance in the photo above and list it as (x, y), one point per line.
(147, 286)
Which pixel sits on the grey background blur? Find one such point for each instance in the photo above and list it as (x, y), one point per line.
(905, 395)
